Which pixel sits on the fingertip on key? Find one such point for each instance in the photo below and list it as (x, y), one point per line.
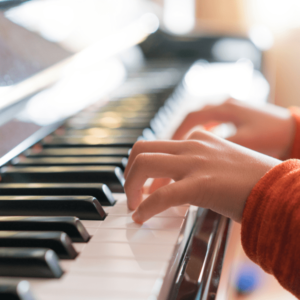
(136, 218)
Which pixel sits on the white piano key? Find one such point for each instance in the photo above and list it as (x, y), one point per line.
(96, 297)
(131, 251)
(135, 236)
(178, 211)
(88, 224)
(66, 264)
(153, 224)
(122, 210)
(157, 287)
(79, 247)
(122, 199)
(97, 285)
(128, 267)
(92, 230)
(120, 222)
(118, 209)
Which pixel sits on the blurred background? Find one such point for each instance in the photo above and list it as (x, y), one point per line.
(64, 27)
(37, 34)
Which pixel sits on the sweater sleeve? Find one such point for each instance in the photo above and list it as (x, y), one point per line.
(271, 224)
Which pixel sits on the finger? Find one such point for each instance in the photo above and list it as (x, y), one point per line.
(146, 189)
(149, 165)
(174, 194)
(158, 183)
(194, 129)
(241, 137)
(248, 139)
(200, 135)
(169, 147)
(237, 139)
(216, 114)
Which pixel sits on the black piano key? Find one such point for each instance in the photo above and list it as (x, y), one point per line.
(132, 102)
(125, 107)
(147, 115)
(15, 290)
(137, 98)
(70, 225)
(125, 124)
(109, 175)
(118, 122)
(83, 207)
(58, 241)
(89, 141)
(29, 262)
(93, 152)
(100, 191)
(120, 162)
(128, 106)
(86, 125)
(99, 132)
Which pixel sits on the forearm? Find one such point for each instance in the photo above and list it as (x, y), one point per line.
(295, 145)
(271, 224)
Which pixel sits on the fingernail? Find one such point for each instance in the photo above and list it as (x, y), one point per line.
(136, 217)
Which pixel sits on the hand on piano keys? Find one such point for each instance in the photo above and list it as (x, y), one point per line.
(267, 129)
(208, 172)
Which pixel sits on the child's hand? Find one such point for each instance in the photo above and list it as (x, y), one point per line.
(208, 171)
(269, 129)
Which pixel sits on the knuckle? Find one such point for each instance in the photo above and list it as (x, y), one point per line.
(138, 145)
(230, 102)
(138, 164)
(140, 159)
(196, 135)
(201, 136)
(208, 107)
(194, 145)
(191, 115)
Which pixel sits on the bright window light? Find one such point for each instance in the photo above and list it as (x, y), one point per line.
(179, 15)
(278, 15)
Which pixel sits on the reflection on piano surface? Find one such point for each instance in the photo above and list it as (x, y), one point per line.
(63, 214)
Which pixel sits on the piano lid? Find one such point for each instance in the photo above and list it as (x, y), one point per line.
(35, 106)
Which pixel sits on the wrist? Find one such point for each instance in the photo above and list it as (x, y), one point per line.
(294, 147)
(257, 169)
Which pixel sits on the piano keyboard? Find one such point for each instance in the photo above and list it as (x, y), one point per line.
(63, 230)
(122, 260)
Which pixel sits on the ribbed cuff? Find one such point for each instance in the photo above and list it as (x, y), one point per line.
(271, 224)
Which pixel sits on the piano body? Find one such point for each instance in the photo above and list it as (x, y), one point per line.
(65, 134)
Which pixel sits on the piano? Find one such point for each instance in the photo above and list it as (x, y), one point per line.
(65, 136)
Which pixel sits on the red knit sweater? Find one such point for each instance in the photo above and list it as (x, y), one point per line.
(271, 219)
